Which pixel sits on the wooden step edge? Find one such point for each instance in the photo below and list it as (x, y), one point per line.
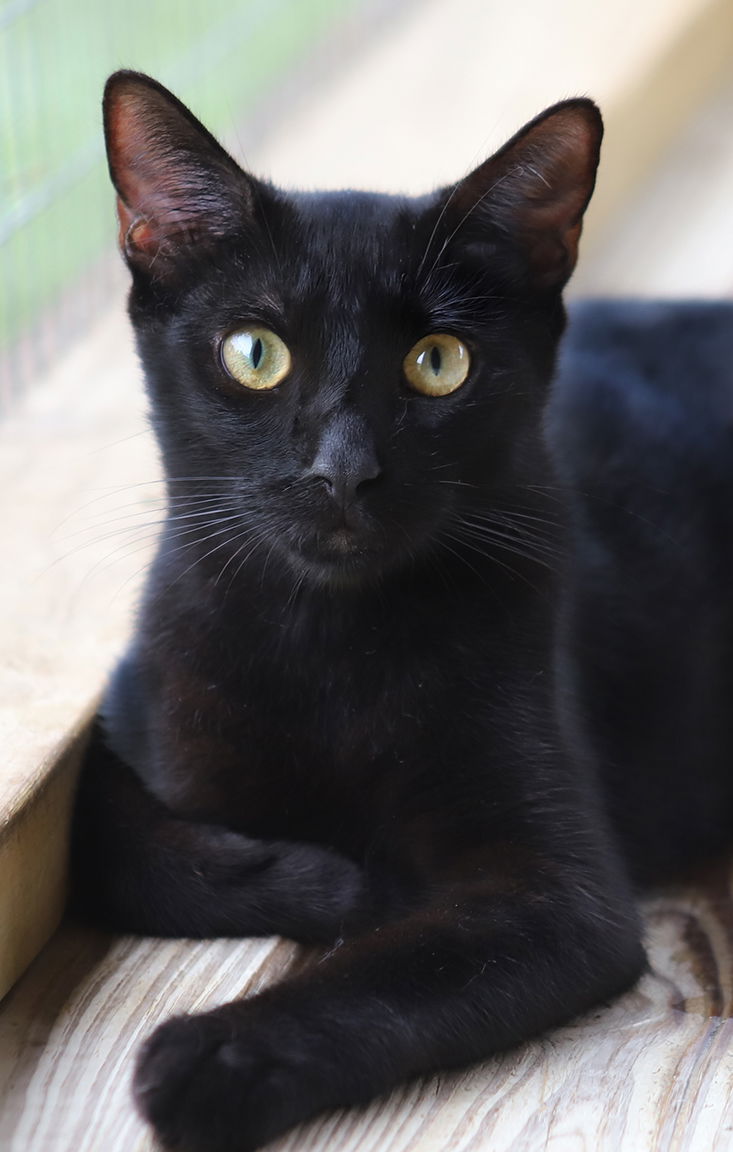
(34, 851)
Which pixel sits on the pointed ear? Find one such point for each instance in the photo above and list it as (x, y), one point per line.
(176, 185)
(536, 189)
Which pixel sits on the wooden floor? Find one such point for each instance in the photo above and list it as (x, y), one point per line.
(652, 1071)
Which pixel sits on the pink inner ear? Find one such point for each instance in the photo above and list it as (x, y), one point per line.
(175, 184)
(157, 193)
(131, 147)
(135, 235)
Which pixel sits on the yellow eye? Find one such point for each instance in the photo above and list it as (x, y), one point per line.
(256, 357)
(437, 365)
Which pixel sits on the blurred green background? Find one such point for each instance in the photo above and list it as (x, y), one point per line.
(56, 208)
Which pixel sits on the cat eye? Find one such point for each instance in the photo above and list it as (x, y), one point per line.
(437, 365)
(255, 357)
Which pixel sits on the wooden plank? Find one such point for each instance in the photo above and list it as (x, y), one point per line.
(652, 1072)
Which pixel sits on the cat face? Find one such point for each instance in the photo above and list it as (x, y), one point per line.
(342, 376)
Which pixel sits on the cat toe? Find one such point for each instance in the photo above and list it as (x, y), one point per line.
(176, 1084)
(205, 1085)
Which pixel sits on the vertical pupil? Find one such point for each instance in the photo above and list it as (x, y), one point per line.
(256, 353)
(435, 359)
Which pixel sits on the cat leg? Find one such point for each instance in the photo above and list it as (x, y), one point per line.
(467, 977)
(140, 869)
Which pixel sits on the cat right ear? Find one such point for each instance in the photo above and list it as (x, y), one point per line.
(176, 186)
(534, 191)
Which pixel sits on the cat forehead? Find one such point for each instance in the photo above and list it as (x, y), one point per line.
(354, 257)
(353, 229)
(344, 247)
(343, 209)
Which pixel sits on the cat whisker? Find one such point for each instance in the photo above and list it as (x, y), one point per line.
(441, 541)
(260, 537)
(230, 539)
(519, 542)
(247, 537)
(531, 515)
(168, 518)
(134, 534)
(543, 533)
(458, 483)
(144, 544)
(110, 491)
(488, 553)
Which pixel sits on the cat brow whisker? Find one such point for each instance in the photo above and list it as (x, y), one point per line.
(470, 212)
(437, 224)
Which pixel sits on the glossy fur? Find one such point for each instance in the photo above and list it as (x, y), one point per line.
(399, 686)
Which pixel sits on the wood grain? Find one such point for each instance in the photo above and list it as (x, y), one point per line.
(652, 1072)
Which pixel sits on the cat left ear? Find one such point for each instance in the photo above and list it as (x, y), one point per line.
(536, 189)
(176, 186)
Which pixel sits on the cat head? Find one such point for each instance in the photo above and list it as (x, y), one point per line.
(341, 379)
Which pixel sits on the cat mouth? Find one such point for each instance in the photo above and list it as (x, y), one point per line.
(343, 542)
(338, 555)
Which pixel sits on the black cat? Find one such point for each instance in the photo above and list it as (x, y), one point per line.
(369, 702)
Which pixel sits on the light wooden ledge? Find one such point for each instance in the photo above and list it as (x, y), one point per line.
(76, 460)
(33, 848)
(67, 461)
(651, 1072)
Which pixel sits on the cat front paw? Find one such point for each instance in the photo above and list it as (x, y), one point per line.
(218, 1083)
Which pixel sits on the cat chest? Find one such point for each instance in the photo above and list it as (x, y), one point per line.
(319, 760)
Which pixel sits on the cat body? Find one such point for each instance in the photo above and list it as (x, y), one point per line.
(640, 428)
(393, 687)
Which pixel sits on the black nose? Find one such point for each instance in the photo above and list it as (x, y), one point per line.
(346, 459)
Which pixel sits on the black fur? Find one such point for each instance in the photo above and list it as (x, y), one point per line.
(370, 702)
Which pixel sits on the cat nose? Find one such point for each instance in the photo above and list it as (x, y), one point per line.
(345, 485)
(346, 460)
